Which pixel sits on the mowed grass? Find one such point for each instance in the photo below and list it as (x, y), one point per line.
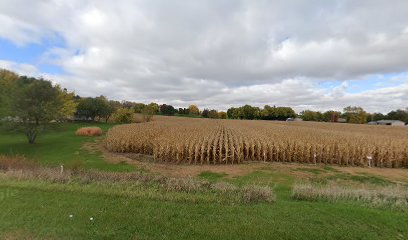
(40, 210)
(59, 146)
(40, 213)
(211, 176)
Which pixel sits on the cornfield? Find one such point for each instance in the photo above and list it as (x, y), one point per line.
(209, 141)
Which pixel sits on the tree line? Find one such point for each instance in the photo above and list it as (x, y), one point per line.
(353, 114)
(30, 104)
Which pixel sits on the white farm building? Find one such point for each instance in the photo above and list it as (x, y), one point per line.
(391, 122)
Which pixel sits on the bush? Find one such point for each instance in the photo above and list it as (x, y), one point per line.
(123, 115)
(89, 131)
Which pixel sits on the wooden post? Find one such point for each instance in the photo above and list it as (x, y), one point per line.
(369, 158)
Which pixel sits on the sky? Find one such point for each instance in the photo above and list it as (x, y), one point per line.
(306, 54)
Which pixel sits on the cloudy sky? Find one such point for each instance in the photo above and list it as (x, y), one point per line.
(307, 54)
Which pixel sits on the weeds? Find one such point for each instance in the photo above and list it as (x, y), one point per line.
(394, 196)
(224, 187)
(257, 194)
(127, 181)
(16, 162)
(188, 185)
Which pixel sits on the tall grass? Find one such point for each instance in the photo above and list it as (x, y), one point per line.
(392, 195)
(16, 163)
(156, 183)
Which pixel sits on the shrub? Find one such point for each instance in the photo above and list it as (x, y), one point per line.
(89, 131)
(123, 115)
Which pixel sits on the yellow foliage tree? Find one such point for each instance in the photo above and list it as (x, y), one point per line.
(193, 109)
(222, 115)
(69, 104)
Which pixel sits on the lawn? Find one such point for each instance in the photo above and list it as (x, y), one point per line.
(41, 210)
(44, 213)
(59, 146)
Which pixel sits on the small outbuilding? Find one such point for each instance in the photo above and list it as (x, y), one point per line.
(391, 122)
(341, 120)
(294, 119)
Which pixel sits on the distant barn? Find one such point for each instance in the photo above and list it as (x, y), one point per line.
(341, 120)
(294, 119)
(391, 122)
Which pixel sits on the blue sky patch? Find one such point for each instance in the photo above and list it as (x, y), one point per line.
(32, 53)
(371, 82)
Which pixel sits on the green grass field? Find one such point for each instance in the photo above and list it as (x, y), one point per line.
(41, 210)
(59, 146)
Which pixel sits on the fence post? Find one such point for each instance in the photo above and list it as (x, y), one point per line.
(369, 158)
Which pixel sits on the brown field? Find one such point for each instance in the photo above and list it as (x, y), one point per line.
(208, 141)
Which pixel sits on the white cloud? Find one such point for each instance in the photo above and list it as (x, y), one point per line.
(21, 68)
(221, 53)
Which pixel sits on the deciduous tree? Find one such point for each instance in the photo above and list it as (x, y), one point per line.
(222, 115)
(193, 109)
(167, 109)
(34, 104)
(213, 113)
(69, 104)
(355, 114)
(123, 115)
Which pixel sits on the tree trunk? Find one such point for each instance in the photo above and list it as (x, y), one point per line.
(31, 136)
